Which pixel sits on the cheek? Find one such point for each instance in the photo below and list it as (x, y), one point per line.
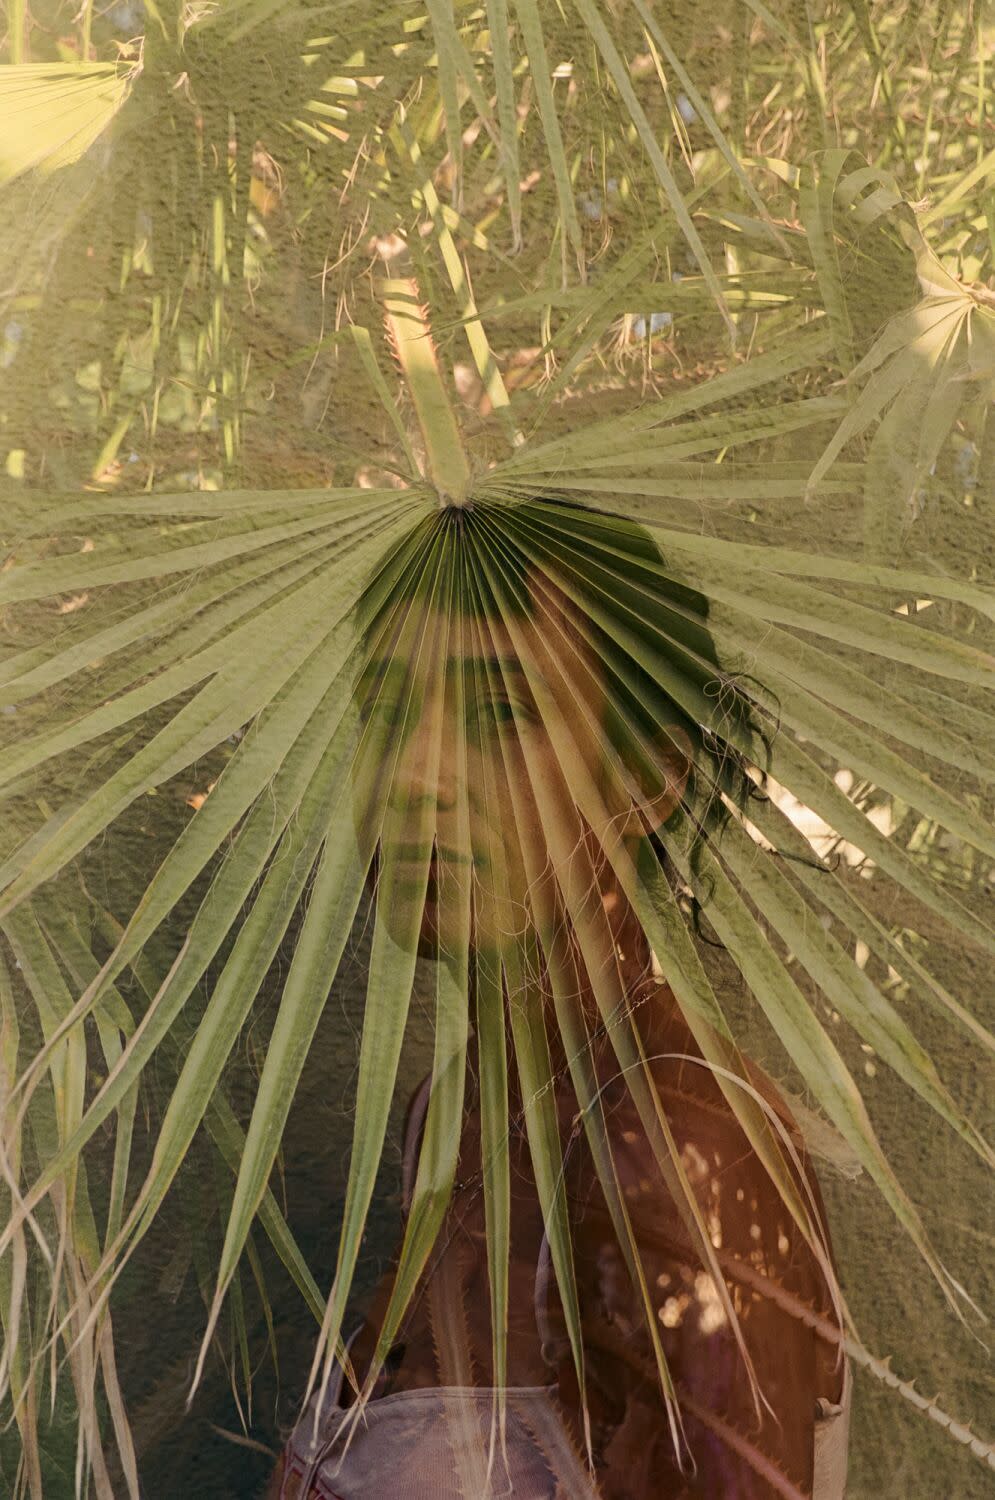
(489, 804)
(587, 771)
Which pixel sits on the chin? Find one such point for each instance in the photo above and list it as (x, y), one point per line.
(440, 942)
(438, 934)
(428, 936)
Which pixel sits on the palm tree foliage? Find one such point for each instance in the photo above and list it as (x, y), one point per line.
(414, 273)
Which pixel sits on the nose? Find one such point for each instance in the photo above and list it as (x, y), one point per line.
(426, 774)
(447, 786)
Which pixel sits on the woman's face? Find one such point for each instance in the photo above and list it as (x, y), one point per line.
(488, 730)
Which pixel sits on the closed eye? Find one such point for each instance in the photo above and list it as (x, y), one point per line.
(501, 709)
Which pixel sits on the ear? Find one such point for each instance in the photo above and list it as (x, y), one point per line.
(663, 785)
(555, 613)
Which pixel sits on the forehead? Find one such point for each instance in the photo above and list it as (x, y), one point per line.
(487, 651)
(428, 629)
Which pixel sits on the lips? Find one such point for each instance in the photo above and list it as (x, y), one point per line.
(412, 854)
(408, 854)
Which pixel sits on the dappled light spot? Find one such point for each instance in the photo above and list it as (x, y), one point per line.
(672, 1312)
(695, 1164)
(712, 1315)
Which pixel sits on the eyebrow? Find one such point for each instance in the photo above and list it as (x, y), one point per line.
(385, 677)
(498, 665)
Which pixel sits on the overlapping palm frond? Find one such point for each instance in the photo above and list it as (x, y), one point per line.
(492, 89)
(54, 114)
(349, 671)
(930, 369)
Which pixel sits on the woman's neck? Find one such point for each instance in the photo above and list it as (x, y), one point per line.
(632, 949)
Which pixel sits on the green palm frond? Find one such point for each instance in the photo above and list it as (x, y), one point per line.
(53, 114)
(919, 377)
(930, 366)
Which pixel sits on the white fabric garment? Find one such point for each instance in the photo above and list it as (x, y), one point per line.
(433, 1444)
